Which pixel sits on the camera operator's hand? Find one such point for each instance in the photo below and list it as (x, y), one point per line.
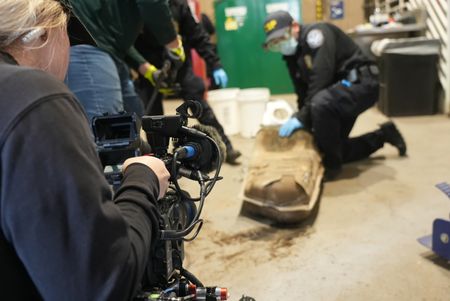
(157, 166)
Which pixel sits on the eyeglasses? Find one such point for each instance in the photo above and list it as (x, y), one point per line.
(275, 44)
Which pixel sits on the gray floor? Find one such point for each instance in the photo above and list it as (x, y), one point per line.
(362, 243)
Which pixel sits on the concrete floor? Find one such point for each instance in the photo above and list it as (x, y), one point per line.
(361, 244)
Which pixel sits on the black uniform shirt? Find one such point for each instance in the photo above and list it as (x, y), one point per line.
(324, 55)
(62, 236)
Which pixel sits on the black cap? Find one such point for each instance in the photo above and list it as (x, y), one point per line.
(276, 23)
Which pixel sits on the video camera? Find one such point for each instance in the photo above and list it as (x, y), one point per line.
(117, 139)
(197, 151)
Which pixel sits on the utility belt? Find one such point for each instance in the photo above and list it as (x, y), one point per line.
(363, 71)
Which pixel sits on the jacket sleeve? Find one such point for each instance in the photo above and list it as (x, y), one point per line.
(58, 211)
(207, 24)
(303, 113)
(300, 86)
(158, 19)
(196, 37)
(322, 72)
(134, 58)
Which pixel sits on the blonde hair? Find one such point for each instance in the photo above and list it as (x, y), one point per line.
(20, 17)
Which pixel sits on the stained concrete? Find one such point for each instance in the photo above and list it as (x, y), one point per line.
(361, 242)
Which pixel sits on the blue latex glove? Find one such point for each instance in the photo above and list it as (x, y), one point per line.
(220, 77)
(289, 127)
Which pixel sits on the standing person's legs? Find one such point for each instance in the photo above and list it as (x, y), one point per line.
(93, 78)
(132, 103)
(145, 91)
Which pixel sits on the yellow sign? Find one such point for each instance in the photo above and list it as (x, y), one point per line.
(231, 24)
(319, 10)
(270, 25)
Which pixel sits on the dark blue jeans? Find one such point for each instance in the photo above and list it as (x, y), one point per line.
(101, 83)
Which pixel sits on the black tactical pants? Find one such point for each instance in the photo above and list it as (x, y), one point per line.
(192, 88)
(334, 111)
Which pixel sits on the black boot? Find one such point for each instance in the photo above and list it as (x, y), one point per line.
(209, 118)
(331, 174)
(232, 156)
(392, 136)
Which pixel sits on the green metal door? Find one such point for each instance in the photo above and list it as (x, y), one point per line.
(240, 37)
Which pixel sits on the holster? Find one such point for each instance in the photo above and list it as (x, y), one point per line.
(363, 71)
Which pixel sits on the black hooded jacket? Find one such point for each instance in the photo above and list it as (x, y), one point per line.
(62, 234)
(192, 32)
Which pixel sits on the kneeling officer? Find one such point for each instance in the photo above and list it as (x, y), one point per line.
(334, 82)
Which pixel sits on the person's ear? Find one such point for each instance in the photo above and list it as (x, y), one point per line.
(34, 35)
(295, 29)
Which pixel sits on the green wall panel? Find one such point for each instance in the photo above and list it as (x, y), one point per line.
(240, 35)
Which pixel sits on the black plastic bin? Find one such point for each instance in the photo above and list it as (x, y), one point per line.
(409, 80)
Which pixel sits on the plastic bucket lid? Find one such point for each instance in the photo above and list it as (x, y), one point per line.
(223, 94)
(254, 94)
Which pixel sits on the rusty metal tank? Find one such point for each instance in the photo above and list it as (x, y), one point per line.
(284, 177)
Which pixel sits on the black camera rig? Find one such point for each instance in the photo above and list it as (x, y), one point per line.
(195, 154)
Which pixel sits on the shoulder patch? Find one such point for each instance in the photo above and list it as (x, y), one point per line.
(315, 38)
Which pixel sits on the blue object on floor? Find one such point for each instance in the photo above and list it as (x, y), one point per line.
(439, 240)
(445, 188)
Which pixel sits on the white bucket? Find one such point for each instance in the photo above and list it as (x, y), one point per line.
(252, 104)
(224, 104)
